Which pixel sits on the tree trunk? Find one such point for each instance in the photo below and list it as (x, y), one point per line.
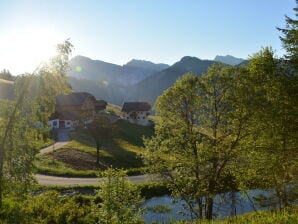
(97, 153)
(209, 208)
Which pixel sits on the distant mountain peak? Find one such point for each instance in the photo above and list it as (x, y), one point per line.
(228, 59)
(146, 64)
(189, 58)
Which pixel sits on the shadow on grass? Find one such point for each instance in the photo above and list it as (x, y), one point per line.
(122, 150)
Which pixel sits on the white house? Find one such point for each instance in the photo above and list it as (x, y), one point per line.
(136, 112)
(63, 120)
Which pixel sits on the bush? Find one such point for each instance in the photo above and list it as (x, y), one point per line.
(48, 207)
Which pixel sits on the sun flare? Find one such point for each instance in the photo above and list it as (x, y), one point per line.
(28, 48)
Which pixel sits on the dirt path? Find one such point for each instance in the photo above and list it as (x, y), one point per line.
(80, 181)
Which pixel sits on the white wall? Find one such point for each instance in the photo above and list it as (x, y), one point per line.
(68, 124)
(142, 118)
(54, 123)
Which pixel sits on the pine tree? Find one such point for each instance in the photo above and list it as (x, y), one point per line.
(290, 38)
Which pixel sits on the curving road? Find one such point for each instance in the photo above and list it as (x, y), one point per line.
(80, 181)
(63, 139)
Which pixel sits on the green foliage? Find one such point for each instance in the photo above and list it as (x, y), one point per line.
(232, 128)
(201, 127)
(290, 37)
(11, 210)
(47, 207)
(120, 200)
(51, 80)
(17, 151)
(153, 189)
(33, 102)
(271, 150)
(285, 216)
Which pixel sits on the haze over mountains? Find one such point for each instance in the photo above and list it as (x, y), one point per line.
(138, 80)
(126, 75)
(229, 60)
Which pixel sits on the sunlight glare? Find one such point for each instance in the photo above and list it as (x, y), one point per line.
(25, 50)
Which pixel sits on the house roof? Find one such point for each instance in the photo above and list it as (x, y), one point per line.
(64, 115)
(101, 103)
(72, 99)
(135, 106)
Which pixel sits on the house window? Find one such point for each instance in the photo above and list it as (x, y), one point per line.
(138, 117)
(143, 117)
(55, 123)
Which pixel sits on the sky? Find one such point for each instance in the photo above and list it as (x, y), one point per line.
(116, 31)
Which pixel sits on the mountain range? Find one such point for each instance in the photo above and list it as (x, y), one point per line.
(229, 60)
(100, 71)
(138, 80)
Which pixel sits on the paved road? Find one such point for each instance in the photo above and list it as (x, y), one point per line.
(63, 139)
(80, 181)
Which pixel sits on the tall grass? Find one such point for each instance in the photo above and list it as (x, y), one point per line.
(285, 216)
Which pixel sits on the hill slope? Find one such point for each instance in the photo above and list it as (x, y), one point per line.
(96, 78)
(150, 88)
(108, 73)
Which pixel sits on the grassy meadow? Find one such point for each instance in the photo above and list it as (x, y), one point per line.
(78, 158)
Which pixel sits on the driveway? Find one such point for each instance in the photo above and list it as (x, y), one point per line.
(62, 140)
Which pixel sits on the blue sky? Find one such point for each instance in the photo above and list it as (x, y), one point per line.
(117, 31)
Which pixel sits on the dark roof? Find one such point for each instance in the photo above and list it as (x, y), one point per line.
(135, 106)
(101, 103)
(65, 115)
(72, 99)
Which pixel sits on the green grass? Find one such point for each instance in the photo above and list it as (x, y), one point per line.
(286, 216)
(113, 109)
(134, 133)
(39, 144)
(122, 151)
(54, 167)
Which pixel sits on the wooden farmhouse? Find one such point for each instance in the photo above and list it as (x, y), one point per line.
(136, 112)
(75, 108)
